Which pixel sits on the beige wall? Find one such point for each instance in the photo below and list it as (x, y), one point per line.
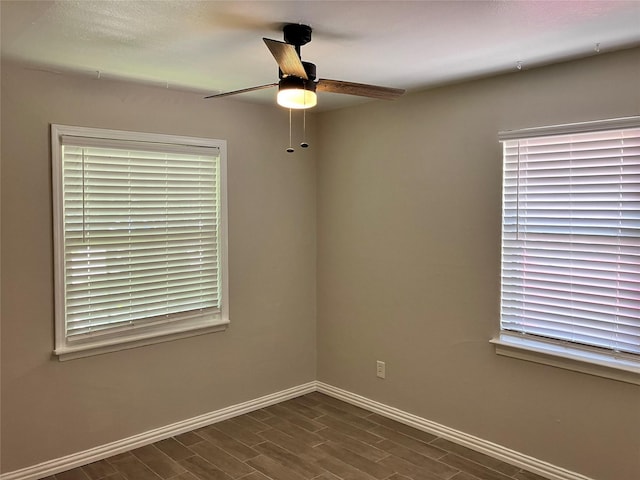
(51, 408)
(408, 227)
(408, 264)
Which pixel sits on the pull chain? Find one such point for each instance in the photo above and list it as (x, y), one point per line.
(290, 149)
(304, 143)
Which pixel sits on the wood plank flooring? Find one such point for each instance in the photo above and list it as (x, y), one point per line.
(313, 437)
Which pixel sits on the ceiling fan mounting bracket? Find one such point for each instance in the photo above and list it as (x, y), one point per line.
(297, 34)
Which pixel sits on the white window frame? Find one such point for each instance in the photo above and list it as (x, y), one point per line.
(185, 325)
(563, 354)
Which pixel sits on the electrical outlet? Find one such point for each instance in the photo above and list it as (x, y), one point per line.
(381, 369)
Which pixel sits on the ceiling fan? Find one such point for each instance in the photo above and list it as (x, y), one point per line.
(298, 85)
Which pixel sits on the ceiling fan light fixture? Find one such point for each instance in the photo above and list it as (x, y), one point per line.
(297, 93)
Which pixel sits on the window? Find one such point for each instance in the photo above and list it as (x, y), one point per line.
(139, 238)
(570, 279)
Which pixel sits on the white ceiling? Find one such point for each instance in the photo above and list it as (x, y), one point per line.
(215, 46)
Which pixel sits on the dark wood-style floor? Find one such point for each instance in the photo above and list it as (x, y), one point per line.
(310, 437)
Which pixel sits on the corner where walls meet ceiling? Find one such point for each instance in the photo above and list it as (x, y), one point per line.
(216, 46)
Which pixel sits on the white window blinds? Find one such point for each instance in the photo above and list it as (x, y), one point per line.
(571, 236)
(140, 223)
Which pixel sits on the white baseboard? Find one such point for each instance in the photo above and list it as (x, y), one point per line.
(74, 460)
(68, 462)
(518, 459)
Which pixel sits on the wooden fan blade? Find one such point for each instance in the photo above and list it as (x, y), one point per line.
(287, 58)
(361, 89)
(244, 90)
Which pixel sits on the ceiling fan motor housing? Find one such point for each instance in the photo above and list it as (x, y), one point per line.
(309, 68)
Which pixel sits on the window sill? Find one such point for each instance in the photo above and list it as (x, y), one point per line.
(589, 361)
(113, 345)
